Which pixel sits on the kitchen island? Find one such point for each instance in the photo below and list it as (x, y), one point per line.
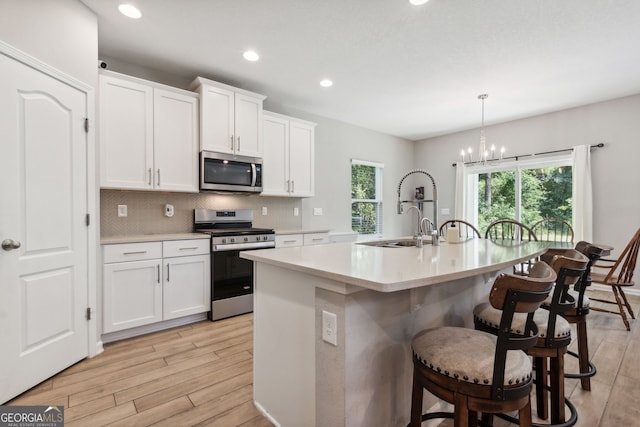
(381, 296)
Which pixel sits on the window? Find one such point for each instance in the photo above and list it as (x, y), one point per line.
(366, 197)
(526, 191)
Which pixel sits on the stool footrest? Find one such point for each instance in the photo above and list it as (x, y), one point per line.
(573, 418)
(592, 369)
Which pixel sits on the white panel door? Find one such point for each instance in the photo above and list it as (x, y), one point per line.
(248, 125)
(175, 141)
(43, 262)
(275, 166)
(187, 286)
(126, 134)
(301, 159)
(216, 120)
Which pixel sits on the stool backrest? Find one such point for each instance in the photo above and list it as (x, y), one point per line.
(594, 253)
(465, 229)
(517, 294)
(570, 266)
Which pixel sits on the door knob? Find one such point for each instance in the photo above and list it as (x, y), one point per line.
(9, 244)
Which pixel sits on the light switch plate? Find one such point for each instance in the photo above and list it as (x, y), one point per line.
(264, 210)
(296, 211)
(122, 211)
(317, 211)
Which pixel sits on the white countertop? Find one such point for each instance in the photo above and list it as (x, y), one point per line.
(393, 269)
(138, 238)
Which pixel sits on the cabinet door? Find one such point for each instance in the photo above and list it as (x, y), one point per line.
(301, 159)
(248, 125)
(126, 134)
(275, 167)
(289, 240)
(217, 119)
(132, 294)
(187, 286)
(175, 141)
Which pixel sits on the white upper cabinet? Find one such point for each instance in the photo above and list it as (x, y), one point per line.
(230, 119)
(148, 135)
(288, 161)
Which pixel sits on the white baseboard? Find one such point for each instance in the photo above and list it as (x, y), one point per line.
(265, 413)
(154, 327)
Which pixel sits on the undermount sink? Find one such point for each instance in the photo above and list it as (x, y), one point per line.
(395, 243)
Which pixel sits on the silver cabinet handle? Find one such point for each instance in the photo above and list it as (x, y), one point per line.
(293, 186)
(188, 249)
(158, 177)
(150, 173)
(158, 265)
(168, 272)
(9, 245)
(288, 186)
(318, 239)
(134, 253)
(231, 142)
(289, 241)
(238, 143)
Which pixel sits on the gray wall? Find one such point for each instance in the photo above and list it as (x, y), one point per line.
(615, 171)
(61, 33)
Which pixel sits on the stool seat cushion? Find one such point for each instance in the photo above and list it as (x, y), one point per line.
(486, 314)
(467, 355)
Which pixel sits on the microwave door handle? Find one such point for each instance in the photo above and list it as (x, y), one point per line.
(254, 175)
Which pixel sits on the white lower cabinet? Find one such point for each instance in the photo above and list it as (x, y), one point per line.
(137, 291)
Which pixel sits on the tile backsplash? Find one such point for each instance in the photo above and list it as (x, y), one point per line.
(145, 211)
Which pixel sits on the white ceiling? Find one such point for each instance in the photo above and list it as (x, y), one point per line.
(410, 71)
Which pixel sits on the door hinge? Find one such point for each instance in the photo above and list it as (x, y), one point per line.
(86, 125)
(88, 313)
(88, 219)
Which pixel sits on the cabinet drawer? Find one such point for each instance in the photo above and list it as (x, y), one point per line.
(173, 248)
(131, 251)
(316, 238)
(287, 240)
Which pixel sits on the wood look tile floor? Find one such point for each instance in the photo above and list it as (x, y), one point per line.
(201, 374)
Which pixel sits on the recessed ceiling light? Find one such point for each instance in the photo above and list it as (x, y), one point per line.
(326, 83)
(130, 11)
(250, 55)
(418, 2)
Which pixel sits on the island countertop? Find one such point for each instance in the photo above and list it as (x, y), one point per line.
(387, 269)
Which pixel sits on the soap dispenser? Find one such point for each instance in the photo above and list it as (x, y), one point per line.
(453, 235)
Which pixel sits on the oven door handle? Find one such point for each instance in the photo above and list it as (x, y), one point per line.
(243, 246)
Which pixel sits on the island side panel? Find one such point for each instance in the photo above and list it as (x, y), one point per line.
(284, 346)
(374, 360)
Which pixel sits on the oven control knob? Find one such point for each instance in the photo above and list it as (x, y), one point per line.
(264, 237)
(246, 239)
(258, 239)
(232, 240)
(224, 241)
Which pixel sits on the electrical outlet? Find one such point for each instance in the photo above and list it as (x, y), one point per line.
(330, 327)
(296, 211)
(122, 210)
(317, 211)
(264, 210)
(168, 210)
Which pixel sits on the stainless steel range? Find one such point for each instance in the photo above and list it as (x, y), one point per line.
(231, 231)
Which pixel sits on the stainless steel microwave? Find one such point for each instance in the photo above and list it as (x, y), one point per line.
(229, 173)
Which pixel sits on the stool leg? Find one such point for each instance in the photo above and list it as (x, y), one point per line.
(542, 395)
(416, 401)
(461, 411)
(583, 353)
(524, 415)
(557, 388)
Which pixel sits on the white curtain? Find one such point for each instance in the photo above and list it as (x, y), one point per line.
(582, 194)
(461, 197)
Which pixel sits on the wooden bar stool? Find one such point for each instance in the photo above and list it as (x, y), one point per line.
(479, 372)
(578, 314)
(554, 338)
